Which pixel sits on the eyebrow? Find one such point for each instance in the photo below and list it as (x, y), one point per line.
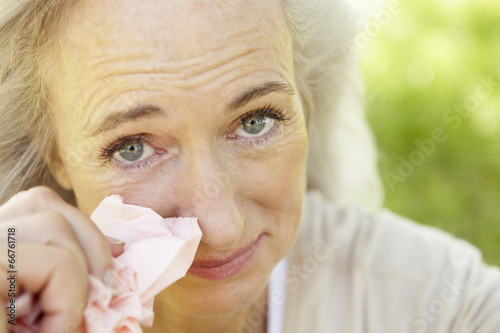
(116, 119)
(253, 93)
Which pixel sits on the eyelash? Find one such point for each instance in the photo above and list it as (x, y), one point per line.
(268, 111)
(107, 153)
(275, 113)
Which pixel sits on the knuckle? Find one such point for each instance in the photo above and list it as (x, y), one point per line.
(54, 224)
(41, 193)
(65, 258)
(54, 218)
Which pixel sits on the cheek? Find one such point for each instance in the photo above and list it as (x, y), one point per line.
(277, 180)
(278, 190)
(93, 184)
(90, 181)
(273, 187)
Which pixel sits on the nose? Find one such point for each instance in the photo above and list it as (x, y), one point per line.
(209, 193)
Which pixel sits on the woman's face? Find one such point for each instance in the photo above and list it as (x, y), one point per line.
(190, 108)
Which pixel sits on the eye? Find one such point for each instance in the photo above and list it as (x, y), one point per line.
(133, 152)
(255, 125)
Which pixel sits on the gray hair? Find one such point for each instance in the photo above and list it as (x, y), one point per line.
(341, 161)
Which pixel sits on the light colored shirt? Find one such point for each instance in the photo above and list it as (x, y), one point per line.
(351, 271)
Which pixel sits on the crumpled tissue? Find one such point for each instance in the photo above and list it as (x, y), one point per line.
(158, 251)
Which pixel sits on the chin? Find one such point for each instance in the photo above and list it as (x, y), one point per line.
(213, 299)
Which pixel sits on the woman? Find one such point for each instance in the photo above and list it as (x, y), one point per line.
(213, 109)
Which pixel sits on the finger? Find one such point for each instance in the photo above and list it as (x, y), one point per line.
(46, 228)
(52, 273)
(117, 246)
(94, 244)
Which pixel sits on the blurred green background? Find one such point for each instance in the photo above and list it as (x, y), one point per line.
(425, 65)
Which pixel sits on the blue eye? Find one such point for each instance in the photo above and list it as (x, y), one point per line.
(257, 125)
(133, 152)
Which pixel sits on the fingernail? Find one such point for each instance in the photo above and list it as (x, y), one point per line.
(110, 281)
(115, 241)
(116, 250)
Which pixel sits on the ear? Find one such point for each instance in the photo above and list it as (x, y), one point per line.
(60, 175)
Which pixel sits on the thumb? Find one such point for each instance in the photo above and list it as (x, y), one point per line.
(116, 246)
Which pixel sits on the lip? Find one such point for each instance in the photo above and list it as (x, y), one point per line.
(218, 269)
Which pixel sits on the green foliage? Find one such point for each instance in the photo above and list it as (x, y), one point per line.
(425, 70)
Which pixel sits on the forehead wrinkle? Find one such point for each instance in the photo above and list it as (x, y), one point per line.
(106, 58)
(192, 84)
(166, 71)
(182, 83)
(237, 47)
(93, 103)
(183, 73)
(181, 80)
(89, 113)
(179, 69)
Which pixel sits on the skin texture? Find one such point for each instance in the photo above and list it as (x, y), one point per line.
(188, 59)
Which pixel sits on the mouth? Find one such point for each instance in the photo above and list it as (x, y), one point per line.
(218, 269)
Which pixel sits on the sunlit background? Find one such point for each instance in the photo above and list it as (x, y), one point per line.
(432, 72)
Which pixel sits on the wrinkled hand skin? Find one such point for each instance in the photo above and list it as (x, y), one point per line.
(57, 247)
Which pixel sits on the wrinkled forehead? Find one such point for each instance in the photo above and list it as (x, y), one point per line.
(184, 29)
(185, 40)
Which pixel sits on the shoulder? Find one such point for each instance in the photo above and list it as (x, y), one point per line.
(382, 242)
(381, 265)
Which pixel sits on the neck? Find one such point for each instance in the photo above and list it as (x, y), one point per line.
(250, 319)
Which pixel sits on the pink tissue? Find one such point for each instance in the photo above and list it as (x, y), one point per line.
(157, 253)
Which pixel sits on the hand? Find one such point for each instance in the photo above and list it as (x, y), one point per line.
(57, 247)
